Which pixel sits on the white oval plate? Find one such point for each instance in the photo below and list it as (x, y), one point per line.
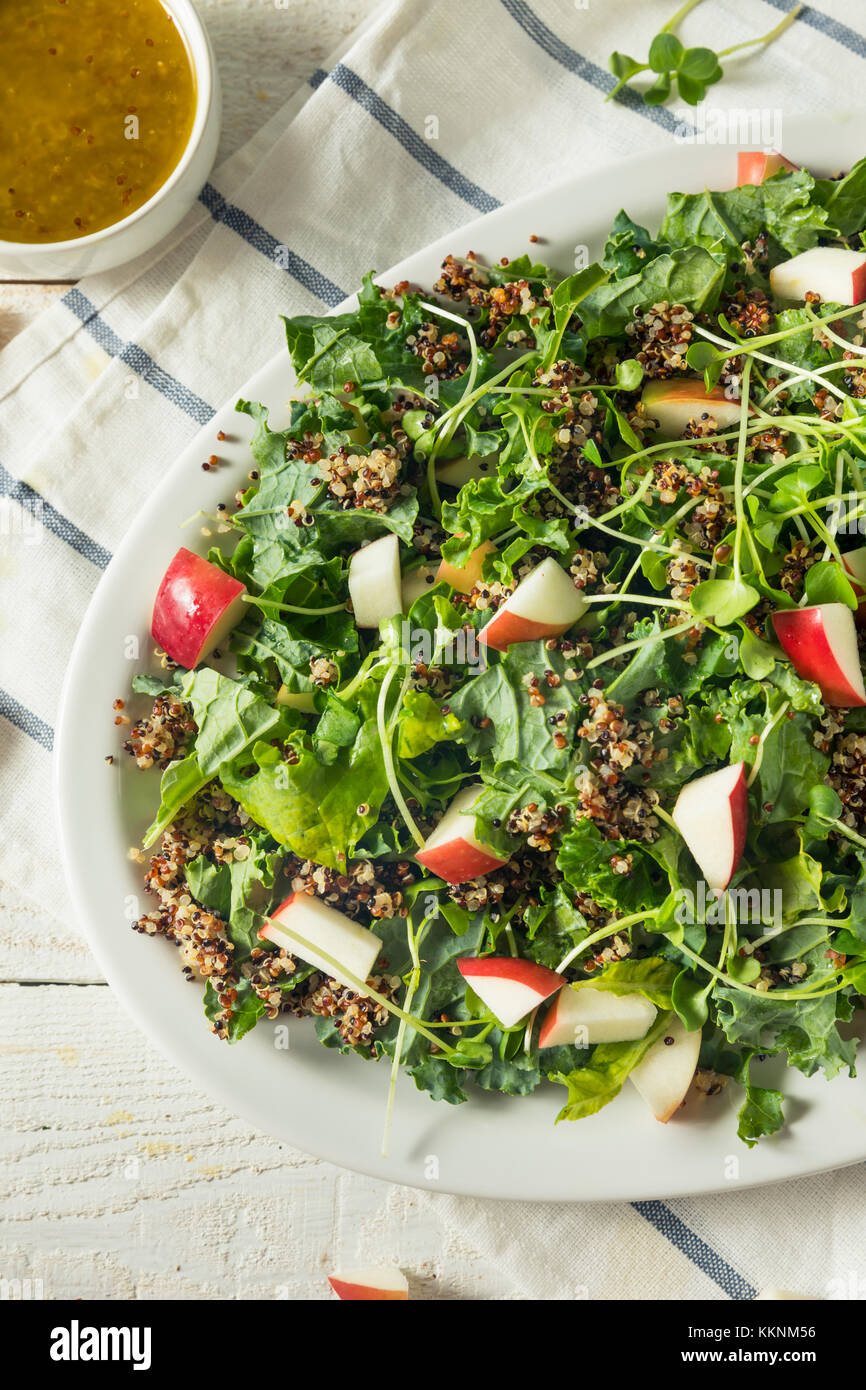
(315, 1099)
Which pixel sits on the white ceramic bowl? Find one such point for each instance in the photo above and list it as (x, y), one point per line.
(142, 229)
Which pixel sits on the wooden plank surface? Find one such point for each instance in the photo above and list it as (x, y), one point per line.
(117, 1180)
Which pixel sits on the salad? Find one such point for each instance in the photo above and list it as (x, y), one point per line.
(514, 733)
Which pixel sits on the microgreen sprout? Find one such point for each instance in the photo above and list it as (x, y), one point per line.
(693, 69)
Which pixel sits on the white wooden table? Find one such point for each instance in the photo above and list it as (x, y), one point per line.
(116, 1179)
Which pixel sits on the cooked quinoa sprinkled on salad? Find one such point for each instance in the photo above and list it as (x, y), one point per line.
(521, 736)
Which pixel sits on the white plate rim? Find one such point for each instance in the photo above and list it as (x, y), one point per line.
(574, 1174)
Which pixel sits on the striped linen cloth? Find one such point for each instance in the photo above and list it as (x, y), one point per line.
(103, 391)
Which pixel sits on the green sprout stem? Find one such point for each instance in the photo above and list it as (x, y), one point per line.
(774, 33)
(386, 740)
(610, 930)
(365, 989)
(265, 603)
(639, 642)
(738, 470)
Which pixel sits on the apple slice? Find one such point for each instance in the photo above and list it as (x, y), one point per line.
(415, 583)
(677, 400)
(665, 1073)
(376, 1281)
(854, 563)
(754, 166)
(585, 1015)
(833, 272)
(453, 851)
(712, 815)
(296, 699)
(464, 577)
(375, 585)
(510, 987)
(822, 645)
(544, 604)
(774, 1295)
(196, 607)
(356, 948)
(456, 472)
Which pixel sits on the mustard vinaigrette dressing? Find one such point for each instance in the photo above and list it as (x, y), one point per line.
(97, 101)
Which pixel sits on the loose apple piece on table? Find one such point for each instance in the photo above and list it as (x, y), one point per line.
(822, 645)
(453, 851)
(326, 929)
(854, 564)
(665, 1074)
(197, 604)
(833, 272)
(544, 604)
(712, 815)
(587, 1015)
(375, 582)
(456, 472)
(374, 1282)
(775, 1295)
(677, 400)
(754, 166)
(464, 577)
(510, 987)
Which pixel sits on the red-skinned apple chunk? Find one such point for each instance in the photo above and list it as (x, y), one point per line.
(453, 851)
(665, 1074)
(353, 946)
(712, 815)
(677, 400)
(509, 986)
(544, 604)
(754, 166)
(196, 607)
(382, 1282)
(822, 644)
(833, 272)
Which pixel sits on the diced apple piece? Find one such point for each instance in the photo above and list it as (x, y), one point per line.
(833, 272)
(754, 166)
(453, 851)
(510, 987)
(544, 604)
(327, 930)
(587, 1015)
(196, 607)
(712, 815)
(675, 401)
(375, 583)
(665, 1074)
(774, 1295)
(854, 562)
(456, 472)
(464, 577)
(376, 1281)
(415, 583)
(822, 645)
(296, 699)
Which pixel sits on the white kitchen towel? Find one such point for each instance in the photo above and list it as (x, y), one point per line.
(437, 112)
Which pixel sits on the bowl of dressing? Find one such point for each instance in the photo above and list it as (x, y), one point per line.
(111, 125)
